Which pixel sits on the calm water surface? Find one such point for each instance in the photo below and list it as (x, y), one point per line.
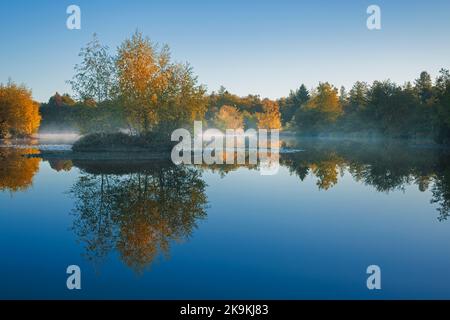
(153, 230)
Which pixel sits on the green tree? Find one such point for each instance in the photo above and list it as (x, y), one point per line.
(95, 76)
(424, 87)
(391, 109)
(357, 100)
(250, 120)
(183, 100)
(343, 96)
(442, 114)
(58, 100)
(292, 103)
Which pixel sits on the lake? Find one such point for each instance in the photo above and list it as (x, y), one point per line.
(153, 230)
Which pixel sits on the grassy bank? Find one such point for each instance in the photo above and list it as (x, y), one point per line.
(121, 142)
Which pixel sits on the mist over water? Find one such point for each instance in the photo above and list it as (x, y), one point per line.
(66, 137)
(44, 141)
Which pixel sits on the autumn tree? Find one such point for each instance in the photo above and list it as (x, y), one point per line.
(250, 104)
(321, 111)
(154, 90)
(182, 102)
(270, 117)
(229, 117)
(19, 114)
(140, 76)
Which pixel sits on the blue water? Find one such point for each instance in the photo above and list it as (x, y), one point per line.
(262, 237)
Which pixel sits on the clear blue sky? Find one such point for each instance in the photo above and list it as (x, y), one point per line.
(249, 46)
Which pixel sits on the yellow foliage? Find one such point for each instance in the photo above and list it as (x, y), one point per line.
(229, 118)
(270, 118)
(19, 114)
(16, 171)
(153, 89)
(326, 101)
(139, 74)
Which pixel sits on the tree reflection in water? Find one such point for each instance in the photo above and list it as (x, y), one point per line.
(139, 208)
(138, 213)
(386, 166)
(441, 188)
(16, 171)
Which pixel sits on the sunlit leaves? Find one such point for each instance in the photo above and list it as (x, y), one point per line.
(19, 114)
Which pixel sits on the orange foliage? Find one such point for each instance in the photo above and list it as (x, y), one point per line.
(19, 114)
(229, 117)
(270, 118)
(16, 171)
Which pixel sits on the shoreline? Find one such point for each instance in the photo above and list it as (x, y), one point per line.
(141, 154)
(50, 138)
(99, 155)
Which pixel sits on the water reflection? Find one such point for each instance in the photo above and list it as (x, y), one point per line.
(16, 171)
(384, 166)
(61, 165)
(441, 188)
(137, 213)
(138, 208)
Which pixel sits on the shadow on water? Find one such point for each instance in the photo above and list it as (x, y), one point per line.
(139, 207)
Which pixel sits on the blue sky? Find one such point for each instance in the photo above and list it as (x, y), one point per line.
(249, 46)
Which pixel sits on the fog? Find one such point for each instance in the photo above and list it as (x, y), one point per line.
(58, 137)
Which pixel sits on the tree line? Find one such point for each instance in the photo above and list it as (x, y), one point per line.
(413, 110)
(140, 89)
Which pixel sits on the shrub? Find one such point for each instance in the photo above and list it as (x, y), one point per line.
(124, 142)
